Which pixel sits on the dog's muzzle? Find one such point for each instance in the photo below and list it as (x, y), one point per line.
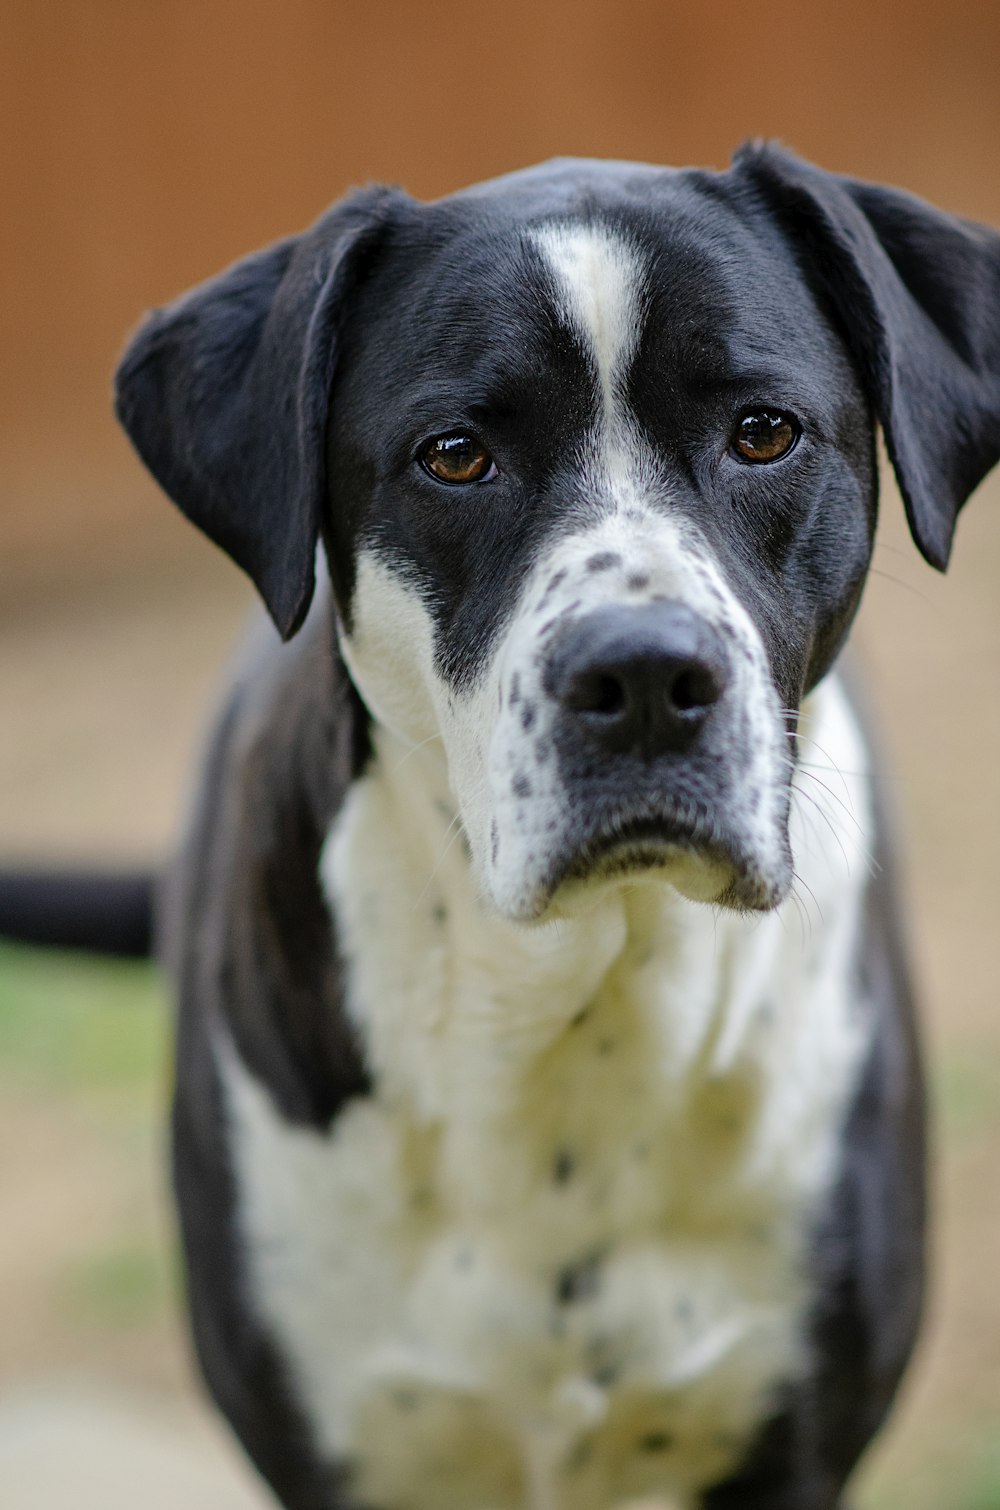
(650, 736)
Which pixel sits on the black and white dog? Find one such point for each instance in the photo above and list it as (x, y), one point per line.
(533, 1151)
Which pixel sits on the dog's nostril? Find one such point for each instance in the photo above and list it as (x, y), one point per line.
(606, 695)
(696, 687)
(594, 692)
(639, 680)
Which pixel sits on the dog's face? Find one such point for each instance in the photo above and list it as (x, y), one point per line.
(601, 502)
(591, 452)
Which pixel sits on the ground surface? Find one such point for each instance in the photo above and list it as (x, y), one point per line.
(109, 672)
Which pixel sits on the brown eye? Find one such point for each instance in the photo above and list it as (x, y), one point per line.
(765, 435)
(458, 459)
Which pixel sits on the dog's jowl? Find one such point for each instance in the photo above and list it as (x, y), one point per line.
(548, 1129)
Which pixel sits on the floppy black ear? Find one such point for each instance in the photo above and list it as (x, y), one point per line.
(917, 296)
(224, 394)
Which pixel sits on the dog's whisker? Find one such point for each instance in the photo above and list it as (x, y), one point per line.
(801, 881)
(916, 592)
(816, 808)
(802, 913)
(414, 748)
(833, 764)
(453, 831)
(456, 831)
(846, 808)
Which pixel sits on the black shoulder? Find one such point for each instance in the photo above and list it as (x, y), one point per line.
(246, 929)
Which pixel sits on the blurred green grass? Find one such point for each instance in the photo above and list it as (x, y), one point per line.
(81, 1025)
(965, 1095)
(84, 1044)
(120, 1287)
(958, 1475)
(96, 1033)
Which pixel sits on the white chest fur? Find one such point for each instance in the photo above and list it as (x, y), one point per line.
(557, 1261)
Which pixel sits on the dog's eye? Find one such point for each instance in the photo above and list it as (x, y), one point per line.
(458, 459)
(765, 435)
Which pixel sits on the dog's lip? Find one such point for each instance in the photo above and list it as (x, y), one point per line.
(630, 843)
(659, 834)
(638, 842)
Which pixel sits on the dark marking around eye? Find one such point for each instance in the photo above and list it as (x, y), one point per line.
(637, 581)
(603, 561)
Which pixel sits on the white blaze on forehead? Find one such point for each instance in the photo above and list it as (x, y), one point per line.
(599, 279)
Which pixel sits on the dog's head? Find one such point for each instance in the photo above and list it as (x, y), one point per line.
(591, 451)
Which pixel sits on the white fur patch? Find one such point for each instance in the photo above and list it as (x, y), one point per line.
(557, 1261)
(599, 280)
(389, 652)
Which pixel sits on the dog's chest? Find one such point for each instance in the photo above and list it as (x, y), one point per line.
(563, 1247)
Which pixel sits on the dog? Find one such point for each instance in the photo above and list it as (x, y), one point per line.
(548, 1130)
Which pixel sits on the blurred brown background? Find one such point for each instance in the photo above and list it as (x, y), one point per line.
(144, 144)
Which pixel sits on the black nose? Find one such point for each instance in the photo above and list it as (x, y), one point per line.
(639, 680)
